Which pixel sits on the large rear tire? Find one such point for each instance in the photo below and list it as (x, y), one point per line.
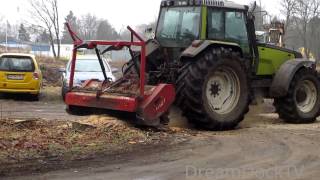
(302, 103)
(213, 90)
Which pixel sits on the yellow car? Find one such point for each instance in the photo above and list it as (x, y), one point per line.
(20, 73)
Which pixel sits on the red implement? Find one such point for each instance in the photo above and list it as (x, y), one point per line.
(129, 93)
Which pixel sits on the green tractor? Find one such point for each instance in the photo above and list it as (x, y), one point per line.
(208, 49)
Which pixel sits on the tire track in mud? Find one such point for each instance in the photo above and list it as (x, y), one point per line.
(262, 144)
(261, 150)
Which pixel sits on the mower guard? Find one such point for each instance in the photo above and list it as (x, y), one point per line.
(148, 102)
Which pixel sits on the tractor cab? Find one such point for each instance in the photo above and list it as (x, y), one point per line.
(181, 22)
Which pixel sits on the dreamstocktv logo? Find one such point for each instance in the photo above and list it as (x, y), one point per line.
(272, 173)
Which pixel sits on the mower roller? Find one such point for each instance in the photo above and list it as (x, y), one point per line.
(130, 93)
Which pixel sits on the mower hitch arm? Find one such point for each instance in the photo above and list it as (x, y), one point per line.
(79, 43)
(101, 64)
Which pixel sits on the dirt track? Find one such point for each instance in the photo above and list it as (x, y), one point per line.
(263, 147)
(21, 107)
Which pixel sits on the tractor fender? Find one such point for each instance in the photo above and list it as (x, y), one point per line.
(198, 46)
(281, 81)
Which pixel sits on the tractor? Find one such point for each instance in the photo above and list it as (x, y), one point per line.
(204, 58)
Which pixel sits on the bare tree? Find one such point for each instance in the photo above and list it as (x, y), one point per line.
(105, 31)
(88, 26)
(304, 12)
(47, 16)
(73, 21)
(314, 38)
(288, 10)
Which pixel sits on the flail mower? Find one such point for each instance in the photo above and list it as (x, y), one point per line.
(130, 93)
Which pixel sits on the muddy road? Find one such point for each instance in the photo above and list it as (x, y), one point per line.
(50, 107)
(262, 147)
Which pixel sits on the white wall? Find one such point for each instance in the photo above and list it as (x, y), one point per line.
(65, 50)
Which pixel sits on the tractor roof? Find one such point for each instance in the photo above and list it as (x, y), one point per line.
(212, 3)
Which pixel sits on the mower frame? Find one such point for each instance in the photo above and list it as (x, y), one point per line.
(150, 105)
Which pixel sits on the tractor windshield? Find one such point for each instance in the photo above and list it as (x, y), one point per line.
(178, 26)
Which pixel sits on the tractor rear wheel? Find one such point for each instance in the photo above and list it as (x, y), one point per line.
(213, 91)
(302, 103)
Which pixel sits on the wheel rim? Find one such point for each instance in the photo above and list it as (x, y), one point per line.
(223, 90)
(306, 96)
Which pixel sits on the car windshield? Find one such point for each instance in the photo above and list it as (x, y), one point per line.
(178, 26)
(16, 64)
(89, 65)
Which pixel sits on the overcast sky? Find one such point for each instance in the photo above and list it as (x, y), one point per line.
(119, 13)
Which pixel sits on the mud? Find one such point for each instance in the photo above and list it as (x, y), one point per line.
(262, 147)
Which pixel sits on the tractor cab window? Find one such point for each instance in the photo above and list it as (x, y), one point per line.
(216, 25)
(178, 26)
(228, 26)
(236, 29)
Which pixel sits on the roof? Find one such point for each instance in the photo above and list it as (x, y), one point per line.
(17, 54)
(40, 47)
(212, 3)
(231, 4)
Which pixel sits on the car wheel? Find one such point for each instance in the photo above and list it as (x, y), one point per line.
(35, 97)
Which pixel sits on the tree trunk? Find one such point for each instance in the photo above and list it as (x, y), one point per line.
(53, 49)
(52, 45)
(58, 45)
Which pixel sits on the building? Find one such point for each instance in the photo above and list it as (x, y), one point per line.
(40, 49)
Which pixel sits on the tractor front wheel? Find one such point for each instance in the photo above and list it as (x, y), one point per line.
(302, 103)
